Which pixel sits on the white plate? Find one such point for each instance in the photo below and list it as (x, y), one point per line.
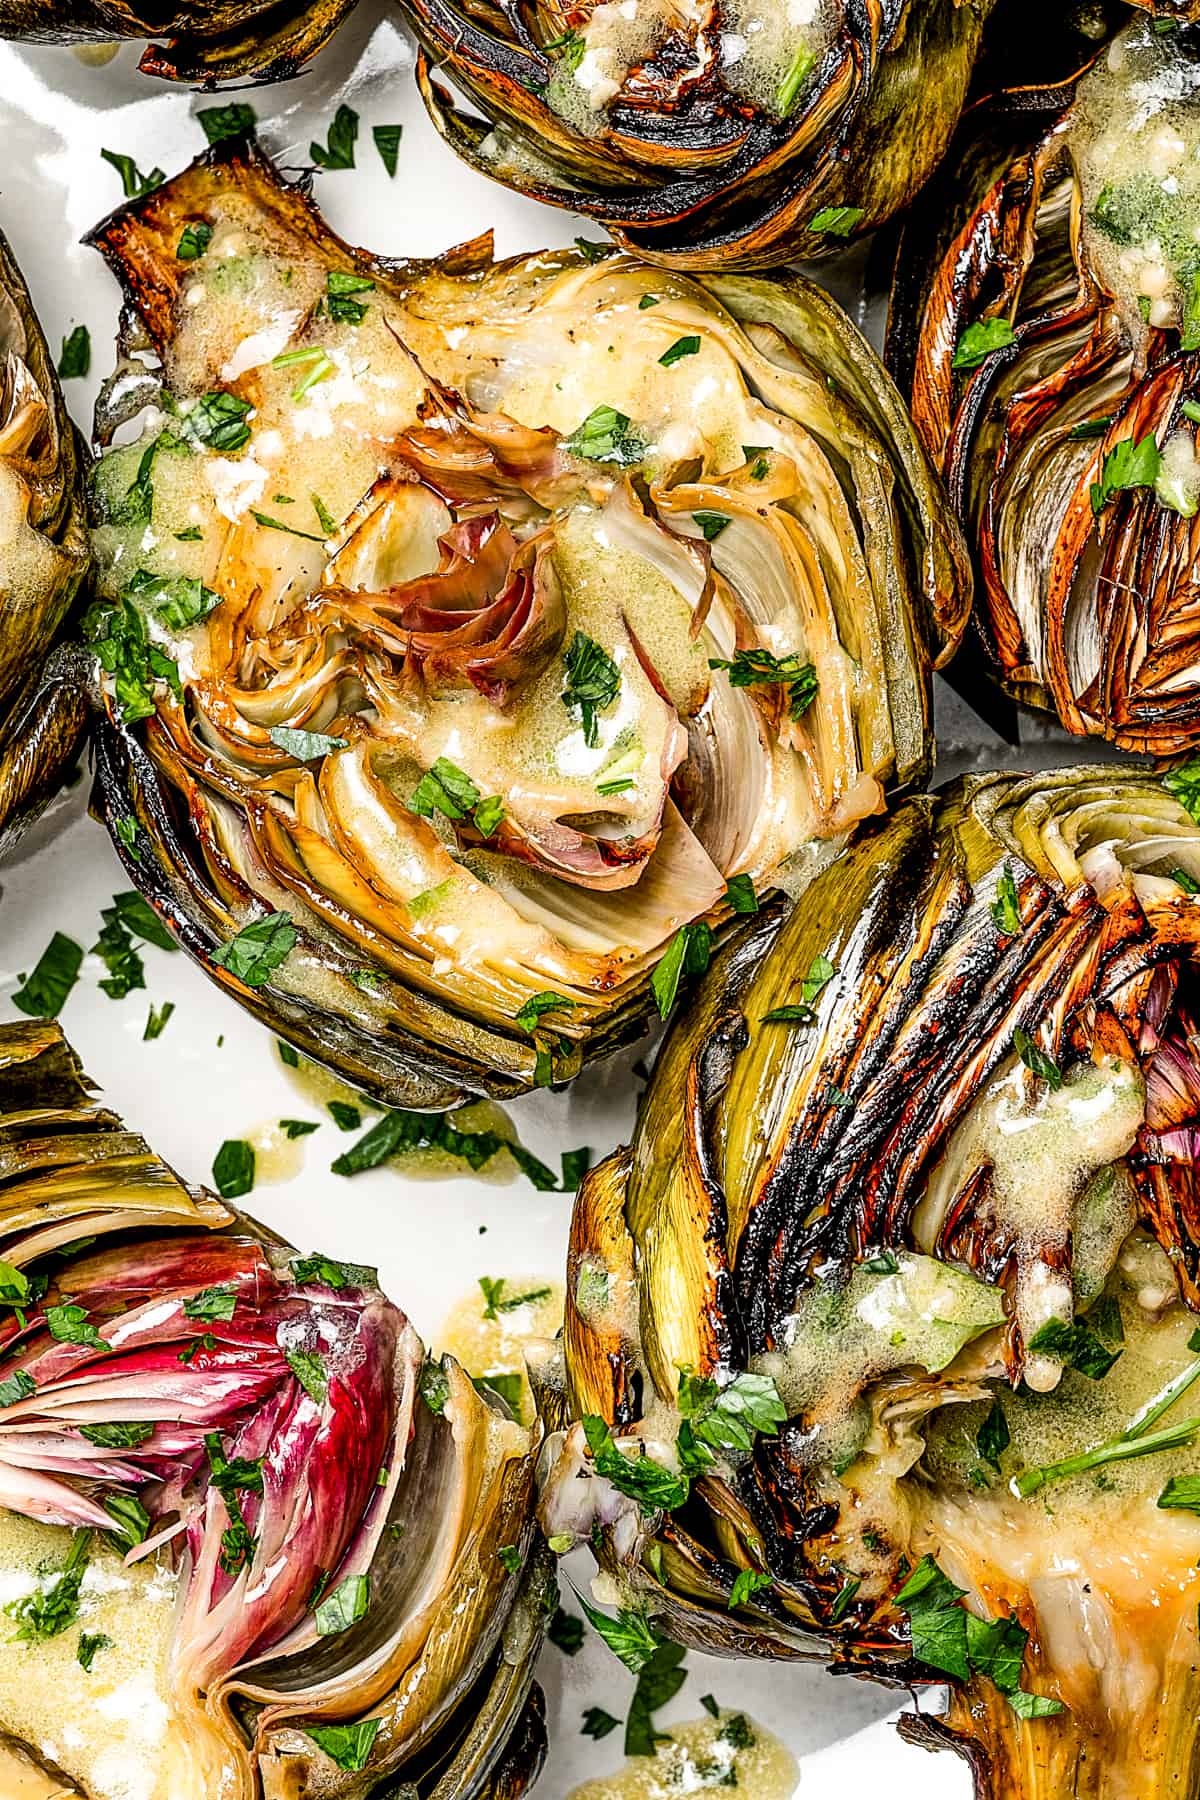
(214, 1073)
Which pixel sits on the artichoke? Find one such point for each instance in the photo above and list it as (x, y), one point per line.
(704, 136)
(466, 628)
(258, 1546)
(206, 42)
(1046, 319)
(43, 555)
(891, 1300)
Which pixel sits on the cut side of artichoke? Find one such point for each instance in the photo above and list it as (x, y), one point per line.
(881, 1340)
(487, 620)
(1046, 320)
(705, 136)
(249, 1538)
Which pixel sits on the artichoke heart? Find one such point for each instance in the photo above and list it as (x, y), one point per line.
(205, 42)
(706, 136)
(485, 621)
(881, 1336)
(1046, 320)
(43, 555)
(243, 1556)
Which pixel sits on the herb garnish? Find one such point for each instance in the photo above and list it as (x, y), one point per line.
(218, 419)
(634, 1474)
(684, 346)
(606, 436)
(835, 221)
(494, 1305)
(757, 668)
(45, 1614)
(387, 142)
(309, 1370)
(340, 287)
(43, 994)
(820, 973)
(338, 152)
(156, 1021)
(305, 746)
(211, 1303)
(688, 953)
(747, 1583)
(76, 358)
(1036, 1060)
(233, 1168)
(348, 1603)
(257, 950)
(948, 1638)
(740, 896)
(133, 182)
(1127, 465)
(234, 120)
(1183, 784)
(981, 340)
(194, 240)
(658, 1682)
(348, 1746)
(1004, 909)
(565, 1632)
(593, 682)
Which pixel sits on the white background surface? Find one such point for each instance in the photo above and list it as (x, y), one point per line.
(182, 1091)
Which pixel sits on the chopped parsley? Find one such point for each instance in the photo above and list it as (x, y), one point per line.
(348, 1603)
(758, 668)
(233, 1168)
(798, 71)
(494, 1305)
(156, 1021)
(344, 1116)
(981, 340)
(211, 1303)
(340, 288)
(607, 436)
(994, 1437)
(740, 896)
(628, 1636)
(725, 1420)
(684, 346)
(1127, 465)
(338, 151)
(133, 183)
(257, 950)
(309, 1369)
(641, 1478)
(688, 953)
(597, 1723)
(747, 1583)
(50, 1611)
(349, 1746)
(593, 682)
(836, 221)
(1183, 784)
(69, 1324)
(43, 994)
(711, 524)
(334, 1274)
(565, 1632)
(218, 419)
(305, 746)
(387, 142)
(76, 358)
(90, 1645)
(537, 1005)
(659, 1680)
(234, 120)
(194, 240)
(820, 973)
(118, 1436)
(1076, 1345)
(1036, 1060)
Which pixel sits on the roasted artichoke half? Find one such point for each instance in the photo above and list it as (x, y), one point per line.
(254, 1545)
(1046, 321)
(892, 1299)
(207, 42)
(706, 136)
(43, 555)
(466, 628)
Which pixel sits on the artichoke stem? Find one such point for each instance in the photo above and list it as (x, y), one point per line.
(1151, 1753)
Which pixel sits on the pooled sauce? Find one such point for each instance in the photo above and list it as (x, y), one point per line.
(1134, 139)
(526, 1307)
(277, 1157)
(1043, 1146)
(108, 1728)
(701, 1755)
(770, 47)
